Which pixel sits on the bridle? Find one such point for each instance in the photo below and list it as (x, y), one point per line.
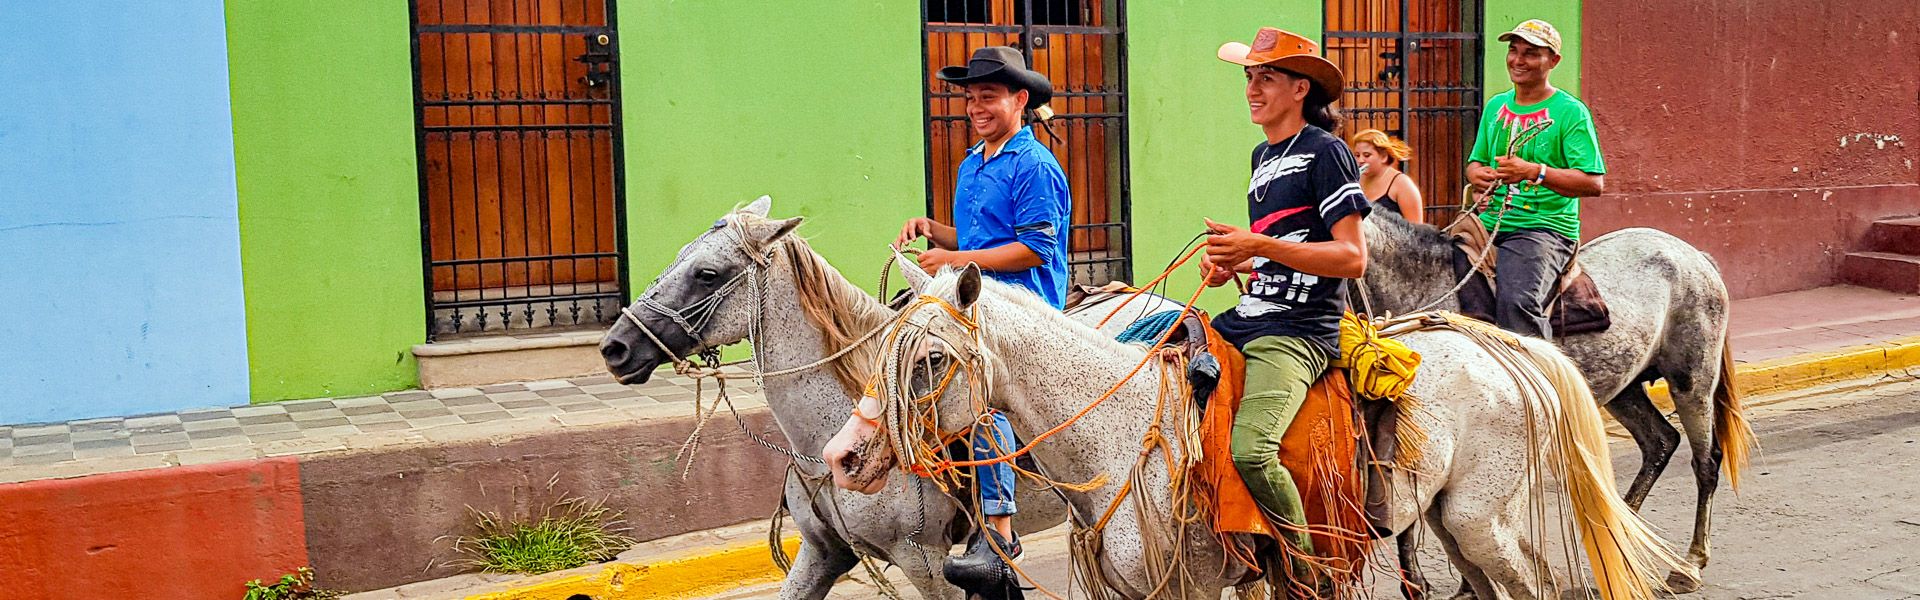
(911, 419)
(695, 316)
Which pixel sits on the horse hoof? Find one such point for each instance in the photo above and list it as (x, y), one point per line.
(1682, 583)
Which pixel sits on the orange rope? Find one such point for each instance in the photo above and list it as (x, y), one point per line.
(1185, 310)
(1151, 285)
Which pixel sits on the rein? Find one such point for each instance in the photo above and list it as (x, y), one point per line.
(1474, 210)
(695, 316)
(911, 421)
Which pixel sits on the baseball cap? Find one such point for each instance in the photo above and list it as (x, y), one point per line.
(1536, 32)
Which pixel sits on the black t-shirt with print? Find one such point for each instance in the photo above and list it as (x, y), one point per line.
(1299, 190)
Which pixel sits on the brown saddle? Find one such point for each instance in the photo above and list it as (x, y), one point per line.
(1330, 449)
(1575, 307)
(1082, 297)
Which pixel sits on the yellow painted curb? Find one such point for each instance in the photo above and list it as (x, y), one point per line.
(1802, 371)
(691, 576)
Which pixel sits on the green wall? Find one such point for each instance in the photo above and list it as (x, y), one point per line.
(819, 108)
(1188, 123)
(329, 204)
(1502, 15)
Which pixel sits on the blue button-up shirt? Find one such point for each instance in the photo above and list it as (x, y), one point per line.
(1018, 196)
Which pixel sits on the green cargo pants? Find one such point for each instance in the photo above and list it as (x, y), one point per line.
(1279, 371)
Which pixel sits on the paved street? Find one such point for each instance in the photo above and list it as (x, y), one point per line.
(1829, 510)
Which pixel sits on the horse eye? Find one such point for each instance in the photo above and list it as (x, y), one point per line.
(936, 356)
(706, 275)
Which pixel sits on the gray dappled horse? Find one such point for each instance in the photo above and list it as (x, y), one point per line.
(1669, 310)
(749, 272)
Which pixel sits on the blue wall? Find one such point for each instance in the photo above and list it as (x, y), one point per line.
(119, 246)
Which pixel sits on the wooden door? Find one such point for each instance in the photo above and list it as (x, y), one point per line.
(1413, 70)
(518, 121)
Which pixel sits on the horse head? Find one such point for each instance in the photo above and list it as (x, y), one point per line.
(931, 386)
(697, 303)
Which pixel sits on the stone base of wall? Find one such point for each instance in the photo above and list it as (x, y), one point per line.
(488, 360)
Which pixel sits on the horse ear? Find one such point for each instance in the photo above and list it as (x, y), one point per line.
(916, 277)
(759, 207)
(785, 227)
(968, 290)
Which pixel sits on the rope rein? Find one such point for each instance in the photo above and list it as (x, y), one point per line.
(1480, 203)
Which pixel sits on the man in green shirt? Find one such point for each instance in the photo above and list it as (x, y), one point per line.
(1547, 177)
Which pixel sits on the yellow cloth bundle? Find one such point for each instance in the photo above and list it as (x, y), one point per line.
(1380, 368)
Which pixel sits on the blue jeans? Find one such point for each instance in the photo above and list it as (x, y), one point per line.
(996, 480)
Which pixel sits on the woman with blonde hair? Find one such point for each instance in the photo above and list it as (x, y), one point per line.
(1380, 156)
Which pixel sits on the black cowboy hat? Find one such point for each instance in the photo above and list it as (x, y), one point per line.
(1001, 64)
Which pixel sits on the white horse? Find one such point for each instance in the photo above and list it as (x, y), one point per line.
(1670, 321)
(806, 312)
(1490, 421)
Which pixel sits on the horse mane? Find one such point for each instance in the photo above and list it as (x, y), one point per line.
(1409, 236)
(841, 310)
(1033, 303)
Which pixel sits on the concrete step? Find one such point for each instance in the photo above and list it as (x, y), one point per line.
(1883, 270)
(486, 360)
(1898, 236)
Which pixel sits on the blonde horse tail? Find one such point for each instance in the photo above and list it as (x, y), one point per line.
(1628, 559)
(1730, 428)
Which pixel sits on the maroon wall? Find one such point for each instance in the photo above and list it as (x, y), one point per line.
(1766, 132)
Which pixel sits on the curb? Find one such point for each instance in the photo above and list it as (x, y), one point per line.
(702, 572)
(1790, 373)
(710, 571)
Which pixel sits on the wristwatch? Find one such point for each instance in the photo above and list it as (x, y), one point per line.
(1541, 179)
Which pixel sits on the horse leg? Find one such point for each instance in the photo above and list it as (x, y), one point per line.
(1490, 539)
(819, 563)
(1694, 403)
(921, 564)
(1656, 438)
(1473, 582)
(824, 555)
(1413, 583)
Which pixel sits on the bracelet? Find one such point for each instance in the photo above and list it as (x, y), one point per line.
(1541, 179)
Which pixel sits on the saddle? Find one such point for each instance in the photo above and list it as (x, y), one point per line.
(1338, 450)
(1081, 296)
(1575, 306)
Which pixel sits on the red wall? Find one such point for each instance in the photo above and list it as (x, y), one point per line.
(1768, 133)
(191, 533)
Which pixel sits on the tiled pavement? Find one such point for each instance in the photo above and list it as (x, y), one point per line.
(1764, 328)
(281, 428)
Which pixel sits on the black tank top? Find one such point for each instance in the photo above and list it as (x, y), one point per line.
(1386, 199)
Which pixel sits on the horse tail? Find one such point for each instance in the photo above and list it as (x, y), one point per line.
(1730, 428)
(1627, 557)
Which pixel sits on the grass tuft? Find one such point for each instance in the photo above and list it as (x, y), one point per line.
(573, 533)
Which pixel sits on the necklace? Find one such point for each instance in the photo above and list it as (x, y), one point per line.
(1260, 193)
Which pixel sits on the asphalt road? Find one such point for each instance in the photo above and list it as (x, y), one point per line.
(1829, 510)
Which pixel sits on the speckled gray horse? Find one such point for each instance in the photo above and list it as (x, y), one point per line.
(1669, 310)
(1489, 422)
(806, 312)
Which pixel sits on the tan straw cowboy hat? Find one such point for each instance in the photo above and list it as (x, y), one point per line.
(1291, 52)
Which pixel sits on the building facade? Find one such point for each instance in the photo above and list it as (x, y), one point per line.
(211, 204)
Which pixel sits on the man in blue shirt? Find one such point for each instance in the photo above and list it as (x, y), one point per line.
(1011, 212)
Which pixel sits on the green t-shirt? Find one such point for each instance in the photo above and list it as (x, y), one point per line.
(1569, 143)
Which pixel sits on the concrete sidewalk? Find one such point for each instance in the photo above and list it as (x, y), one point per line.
(207, 435)
(1766, 329)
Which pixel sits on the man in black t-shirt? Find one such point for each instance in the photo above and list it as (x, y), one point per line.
(1305, 207)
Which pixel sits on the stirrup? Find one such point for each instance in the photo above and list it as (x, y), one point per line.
(980, 572)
